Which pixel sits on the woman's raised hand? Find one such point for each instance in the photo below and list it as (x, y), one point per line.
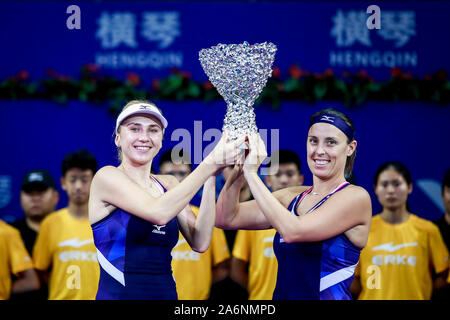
(256, 154)
(226, 153)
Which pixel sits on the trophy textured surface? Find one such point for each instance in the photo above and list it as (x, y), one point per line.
(239, 72)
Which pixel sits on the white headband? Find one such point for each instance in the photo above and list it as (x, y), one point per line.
(139, 108)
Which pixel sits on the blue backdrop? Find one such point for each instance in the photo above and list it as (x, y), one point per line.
(151, 38)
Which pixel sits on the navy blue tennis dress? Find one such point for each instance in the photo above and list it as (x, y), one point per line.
(135, 257)
(321, 270)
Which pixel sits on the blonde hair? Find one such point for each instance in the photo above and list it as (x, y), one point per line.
(136, 101)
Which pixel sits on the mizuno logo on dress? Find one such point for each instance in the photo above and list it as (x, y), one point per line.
(391, 248)
(75, 243)
(327, 118)
(158, 229)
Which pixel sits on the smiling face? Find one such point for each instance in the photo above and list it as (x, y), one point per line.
(392, 189)
(140, 138)
(327, 150)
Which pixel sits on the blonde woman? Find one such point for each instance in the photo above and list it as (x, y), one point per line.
(135, 216)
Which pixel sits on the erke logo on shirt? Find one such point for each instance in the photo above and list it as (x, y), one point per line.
(74, 242)
(394, 259)
(391, 248)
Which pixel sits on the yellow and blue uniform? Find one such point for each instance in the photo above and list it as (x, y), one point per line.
(256, 248)
(14, 258)
(398, 260)
(193, 270)
(65, 245)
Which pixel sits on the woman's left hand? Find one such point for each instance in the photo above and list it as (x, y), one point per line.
(256, 154)
(225, 153)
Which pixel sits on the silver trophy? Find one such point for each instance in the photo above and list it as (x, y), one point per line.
(239, 72)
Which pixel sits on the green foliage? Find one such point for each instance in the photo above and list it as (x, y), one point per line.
(300, 85)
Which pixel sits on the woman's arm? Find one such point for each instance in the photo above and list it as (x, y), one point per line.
(239, 272)
(27, 281)
(221, 271)
(230, 214)
(356, 287)
(112, 186)
(343, 211)
(198, 230)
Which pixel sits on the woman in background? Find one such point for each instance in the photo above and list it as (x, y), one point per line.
(404, 253)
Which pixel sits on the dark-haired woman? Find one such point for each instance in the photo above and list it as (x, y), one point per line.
(320, 229)
(403, 251)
